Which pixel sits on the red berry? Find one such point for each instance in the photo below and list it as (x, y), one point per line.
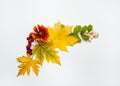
(29, 41)
(29, 51)
(28, 38)
(28, 46)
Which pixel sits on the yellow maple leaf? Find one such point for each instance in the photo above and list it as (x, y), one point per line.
(26, 63)
(60, 36)
(45, 51)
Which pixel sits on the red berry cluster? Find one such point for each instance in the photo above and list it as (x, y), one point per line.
(28, 47)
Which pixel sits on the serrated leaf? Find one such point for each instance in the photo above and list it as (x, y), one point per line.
(85, 37)
(77, 29)
(60, 37)
(46, 51)
(26, 63)
(83, 30)
(89, 28)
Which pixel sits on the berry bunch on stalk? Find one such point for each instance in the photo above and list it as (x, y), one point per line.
(28, 47)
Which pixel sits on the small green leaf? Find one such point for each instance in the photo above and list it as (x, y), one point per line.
(85, 37)
(89, 28)
(77, 29)
(84, 28)
(75, 35)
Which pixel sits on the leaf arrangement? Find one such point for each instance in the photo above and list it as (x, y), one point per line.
(43, 41)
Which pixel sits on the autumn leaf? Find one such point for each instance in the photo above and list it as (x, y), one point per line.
(60, 36)
(45, 51)
(26, 63)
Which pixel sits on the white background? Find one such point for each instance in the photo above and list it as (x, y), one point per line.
(87, 64)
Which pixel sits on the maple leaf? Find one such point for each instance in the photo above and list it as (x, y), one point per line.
(26, 63)
(60, 35)
(46, 51)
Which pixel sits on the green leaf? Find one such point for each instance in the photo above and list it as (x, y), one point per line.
(89, 28)
(77, 29)
(46, 51)
(84, 28)
(85, 37)
(75, 35)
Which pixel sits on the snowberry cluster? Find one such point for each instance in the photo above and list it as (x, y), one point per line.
(28, 47)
